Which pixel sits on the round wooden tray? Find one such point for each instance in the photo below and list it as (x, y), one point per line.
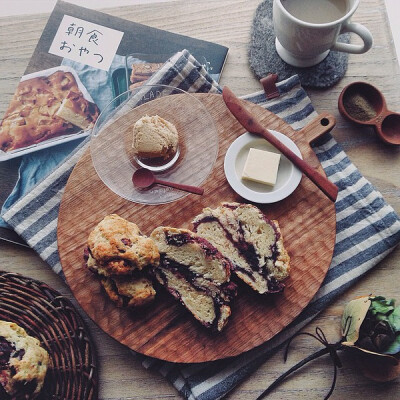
(166, 330)
(51, 318)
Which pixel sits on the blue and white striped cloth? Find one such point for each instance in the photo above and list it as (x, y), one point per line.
(367, 227)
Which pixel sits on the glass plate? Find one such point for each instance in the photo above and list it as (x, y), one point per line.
(111, 142)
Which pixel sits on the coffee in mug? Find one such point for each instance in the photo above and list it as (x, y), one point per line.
(316, 11)
(307, 30)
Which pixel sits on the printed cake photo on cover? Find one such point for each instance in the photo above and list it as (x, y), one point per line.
(45, 107)
(252, 243)
(141, 72)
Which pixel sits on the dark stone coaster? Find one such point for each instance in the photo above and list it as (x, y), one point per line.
(264, 59)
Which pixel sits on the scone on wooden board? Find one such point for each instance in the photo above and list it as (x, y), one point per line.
(253, 244)
(32, 118)
(196, 274)
(129, 291)
(117, 247)
(121, 255)
(23, 363)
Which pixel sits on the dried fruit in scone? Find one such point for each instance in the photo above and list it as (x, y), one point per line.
(252, 242)
(117, 247)
(129, 291)
(196, 274)
(23, 363)
(32, 116)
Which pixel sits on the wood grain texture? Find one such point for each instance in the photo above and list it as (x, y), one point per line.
(122, 375)
(165, 330)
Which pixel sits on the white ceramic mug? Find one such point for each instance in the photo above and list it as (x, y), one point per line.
(302, 43)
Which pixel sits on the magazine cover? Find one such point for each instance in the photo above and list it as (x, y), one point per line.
(83, 60)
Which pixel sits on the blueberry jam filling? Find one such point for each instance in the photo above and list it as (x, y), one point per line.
(208, 218)
(208, 248)
(6, 350)
(178, 239)
(248, 251)
(228, 290)
(179, 269)
(181, 239)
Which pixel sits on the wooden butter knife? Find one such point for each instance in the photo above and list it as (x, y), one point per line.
(252, 125)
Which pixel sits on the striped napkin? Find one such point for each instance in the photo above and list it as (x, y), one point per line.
(367, 227)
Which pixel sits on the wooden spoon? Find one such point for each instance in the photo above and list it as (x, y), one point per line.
(144, 178)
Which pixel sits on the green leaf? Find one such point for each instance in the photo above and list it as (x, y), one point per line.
(394, 348)
(394, 319)
(380, 305)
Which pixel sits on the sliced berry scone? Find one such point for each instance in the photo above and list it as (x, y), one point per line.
(252, 242)
(120, 255)
(117, 247)
(23, 363)
(196, 274)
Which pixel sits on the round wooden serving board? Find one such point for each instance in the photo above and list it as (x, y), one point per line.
(165, 330)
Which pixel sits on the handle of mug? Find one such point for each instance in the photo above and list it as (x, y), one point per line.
(359, 30)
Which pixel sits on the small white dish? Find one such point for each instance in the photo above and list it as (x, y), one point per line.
(288, 177)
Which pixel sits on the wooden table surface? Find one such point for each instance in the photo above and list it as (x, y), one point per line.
(228, 22)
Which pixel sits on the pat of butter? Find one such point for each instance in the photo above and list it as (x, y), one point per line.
(261, 166)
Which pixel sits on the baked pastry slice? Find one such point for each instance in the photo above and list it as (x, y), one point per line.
(196, 274)
(129, 291)
(252, 242)
(23, 363)
(143, 71)
(117, 247)
(78, 111)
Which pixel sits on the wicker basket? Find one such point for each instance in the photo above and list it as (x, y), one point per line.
(50, 317)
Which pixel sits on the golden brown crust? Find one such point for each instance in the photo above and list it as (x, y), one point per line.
(129, 292)
(282, 263)
(117, 247)
(31, 117)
